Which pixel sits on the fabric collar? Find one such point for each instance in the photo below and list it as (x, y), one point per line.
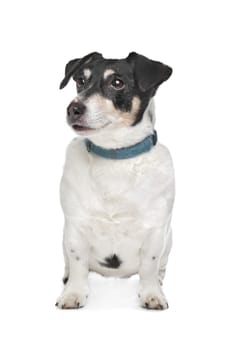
(125, 152)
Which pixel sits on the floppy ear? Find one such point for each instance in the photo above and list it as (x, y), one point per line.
(73, 65)
(69, 70)
(149, 74)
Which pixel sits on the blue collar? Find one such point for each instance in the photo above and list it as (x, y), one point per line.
(125, 152)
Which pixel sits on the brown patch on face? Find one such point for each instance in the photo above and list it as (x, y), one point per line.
(129, 117)
(107, 107)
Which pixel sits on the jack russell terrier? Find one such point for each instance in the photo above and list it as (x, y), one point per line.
(117, 189)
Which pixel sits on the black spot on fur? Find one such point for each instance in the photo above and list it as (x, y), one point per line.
(65, 280)
(112, 262)
(153, 257)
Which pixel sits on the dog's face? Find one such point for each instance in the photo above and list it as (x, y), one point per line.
(111, 93)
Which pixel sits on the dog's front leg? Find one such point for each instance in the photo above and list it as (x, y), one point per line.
(150, 291)
(76, 247)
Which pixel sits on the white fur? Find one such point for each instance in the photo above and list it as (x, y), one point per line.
(108, 72)
(87, 73)
(117, 206)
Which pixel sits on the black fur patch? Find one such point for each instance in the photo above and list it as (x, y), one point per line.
(112, 262)
(65, 280)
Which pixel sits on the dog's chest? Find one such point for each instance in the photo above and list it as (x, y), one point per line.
(102, 191)
(114, 183)
(116, 189)
(106, 189)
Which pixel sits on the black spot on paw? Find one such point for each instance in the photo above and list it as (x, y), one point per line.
(112, 261)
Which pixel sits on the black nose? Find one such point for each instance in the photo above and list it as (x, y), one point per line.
(75, 110)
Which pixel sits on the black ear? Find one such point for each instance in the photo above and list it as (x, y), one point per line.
(69, 70)
(73, 65)
(149, 74)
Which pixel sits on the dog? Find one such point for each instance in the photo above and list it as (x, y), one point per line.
(117, 188)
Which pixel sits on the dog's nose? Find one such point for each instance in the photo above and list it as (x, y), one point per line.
(75, 110)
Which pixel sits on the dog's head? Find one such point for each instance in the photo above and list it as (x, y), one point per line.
(112, 93)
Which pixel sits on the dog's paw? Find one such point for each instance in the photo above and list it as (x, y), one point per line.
(71, 300)
(152, 298)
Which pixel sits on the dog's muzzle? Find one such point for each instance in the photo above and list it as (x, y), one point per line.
(76, 116)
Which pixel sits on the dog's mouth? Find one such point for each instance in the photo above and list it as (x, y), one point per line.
(78, 127)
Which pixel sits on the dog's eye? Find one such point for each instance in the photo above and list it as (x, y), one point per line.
(117, 84)
(80, 81)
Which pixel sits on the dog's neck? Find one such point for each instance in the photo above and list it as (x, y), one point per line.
(128, 136)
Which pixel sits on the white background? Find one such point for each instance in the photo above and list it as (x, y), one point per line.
(194, 119)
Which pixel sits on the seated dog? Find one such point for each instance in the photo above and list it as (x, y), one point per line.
(117, 189)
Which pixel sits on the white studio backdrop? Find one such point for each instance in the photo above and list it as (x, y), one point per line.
(194, 119)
